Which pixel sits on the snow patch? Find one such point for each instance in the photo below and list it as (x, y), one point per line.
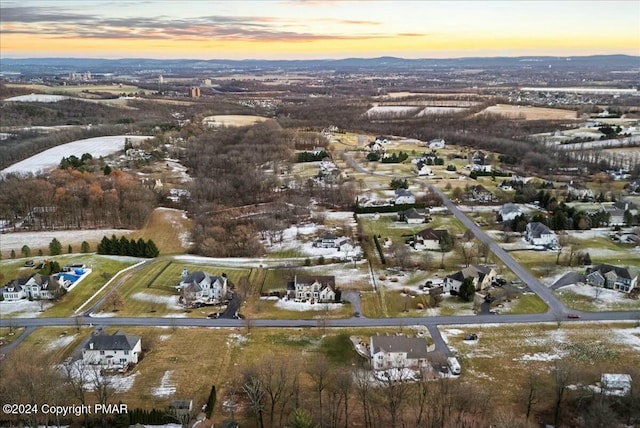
(23, 308)
(37, 98)
(292, 305)
(170, 301)
(166, 388)
(15, 241)
(61, 342)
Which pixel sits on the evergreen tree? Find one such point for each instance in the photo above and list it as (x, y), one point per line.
(26, 251)
(106, 170)
(211, 402)
(69, 249)
(84, 247)
(55, 247)
(40, 252)
(13, 254)
(467, 290)
(124, 249)
(114, 245)
(151, 250)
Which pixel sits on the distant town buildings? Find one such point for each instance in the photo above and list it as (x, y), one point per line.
(194, 92)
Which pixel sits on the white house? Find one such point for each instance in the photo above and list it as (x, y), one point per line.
(375, 147)
(510, 211)
(423, 170)
(11, 292)
(482, 276)
(539, 234)
(579, 191)
(411, 216)
(438, 143)
(389, 352)
(203, 287)
(113, 351)
(429, 239)
(319, 288)
(403, 196)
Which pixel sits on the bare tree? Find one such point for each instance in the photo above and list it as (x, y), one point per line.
(562, 376)
(394, 393)
(532, 388)
(318, 370)
(115, 300)
(252, 387)
(103, 389)
(364, 391)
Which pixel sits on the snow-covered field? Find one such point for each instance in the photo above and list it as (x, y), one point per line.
(291, 305)
(98, 146)
(23, 308)
(440, 110)
(392, 111)
(170, 302)
(61, 342)
(37, 98)
(605, 297)
(15, 241)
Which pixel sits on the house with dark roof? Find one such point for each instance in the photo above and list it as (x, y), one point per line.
(389, 352)
(538, 233)
(612, 277)
(429, 239)
(113, 351)
(316, 288)
(36, 287)
(412, 216)
(329, 240)
(482, 277)
(479, 193)
(202, 286)
(13, 291)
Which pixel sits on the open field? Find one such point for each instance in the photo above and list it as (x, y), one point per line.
(504, 356)
(529, 113)
(77, 89)
(49, 159)
(233, 120)
(169, 228)
(40, 240)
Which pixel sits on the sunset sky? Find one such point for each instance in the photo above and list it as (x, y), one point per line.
(302, 29)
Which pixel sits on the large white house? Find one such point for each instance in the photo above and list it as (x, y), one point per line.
(403, 197)
(537, 233)
(390, 352)
(318, 288)
(112, 351)
(36, 287)
(429, 239)
(203, 287)
(437, 143)
(482, 276)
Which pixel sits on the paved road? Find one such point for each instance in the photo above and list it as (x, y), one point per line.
(555, 306)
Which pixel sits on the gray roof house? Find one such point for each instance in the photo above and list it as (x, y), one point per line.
(203, 286)
(114, 351)
(510, 211)
(388, 352)
(539, 234)
(316, 288)
(612, 277)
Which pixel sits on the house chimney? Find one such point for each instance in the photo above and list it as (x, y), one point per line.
(90, 345)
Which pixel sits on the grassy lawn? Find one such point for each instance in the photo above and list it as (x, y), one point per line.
(8, 335)
(393, 303)
(168, 228)
(152, 292)
(103, 269)
(584, 303)
(527, 304)
(266, 309)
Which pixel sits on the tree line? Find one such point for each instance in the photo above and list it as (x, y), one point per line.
(128, 247)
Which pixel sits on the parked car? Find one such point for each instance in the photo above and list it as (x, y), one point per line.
(573, 316)
(471, 336)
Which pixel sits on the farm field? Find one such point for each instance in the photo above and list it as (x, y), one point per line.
(170, 230)
(233, 120)
(529, 113)
(49, 159)
(77, 89)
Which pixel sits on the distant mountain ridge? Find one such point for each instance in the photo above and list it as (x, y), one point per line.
(24, 65)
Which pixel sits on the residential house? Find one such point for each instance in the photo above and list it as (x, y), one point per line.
(429, 239)
(375, 147)
(330, 240)
(612, 277)
(482, 276)
(36, 287)
(317, 150)
(403, 197)
(510, 211)
(389, 352)
(202, 286)
(479, 162)
(579, 191)
(423, 169)
(537, 233)
(181, 408)
(437, 143)
(13, 291)
(615, 384)
(320, 289)
(411, 216)
(381, 139)
(479, 193)
(114, 351)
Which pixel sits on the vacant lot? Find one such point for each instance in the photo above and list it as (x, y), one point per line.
(170, 229)
(530, 113)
